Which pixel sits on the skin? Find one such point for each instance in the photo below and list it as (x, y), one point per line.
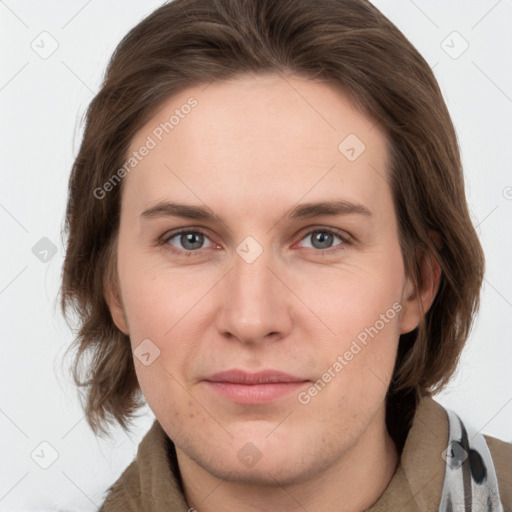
(250, 150)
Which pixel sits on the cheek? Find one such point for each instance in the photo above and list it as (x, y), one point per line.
(162, 307)
(346, 300)
(361, 307)
(356, 368)
(165, 393)
(156, 297)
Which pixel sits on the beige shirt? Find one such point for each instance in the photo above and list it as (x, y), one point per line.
(151, 481)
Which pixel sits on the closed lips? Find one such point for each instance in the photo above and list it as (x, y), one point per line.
(263, 377)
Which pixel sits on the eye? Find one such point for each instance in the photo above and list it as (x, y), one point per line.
(322, 239)
(188, 241)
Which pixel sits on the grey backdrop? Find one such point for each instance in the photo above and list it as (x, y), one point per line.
(53, 55)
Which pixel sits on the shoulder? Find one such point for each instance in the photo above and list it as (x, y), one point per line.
(151, 482)
(124, 495)
(463, 437)
(501, 453)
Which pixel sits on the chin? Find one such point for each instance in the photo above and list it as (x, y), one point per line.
(269, 470)
(259, 458)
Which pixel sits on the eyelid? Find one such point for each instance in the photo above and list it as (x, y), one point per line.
(169, 235)
(344, 235)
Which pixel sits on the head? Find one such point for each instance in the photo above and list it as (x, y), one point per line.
(251, 114)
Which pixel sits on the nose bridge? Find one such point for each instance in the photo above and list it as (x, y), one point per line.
(254, 305)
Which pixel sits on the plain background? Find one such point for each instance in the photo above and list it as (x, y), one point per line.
(42, 101)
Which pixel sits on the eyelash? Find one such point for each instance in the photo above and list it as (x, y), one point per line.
(345, 238)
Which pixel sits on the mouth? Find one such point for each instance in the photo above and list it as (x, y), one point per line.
(254, 388)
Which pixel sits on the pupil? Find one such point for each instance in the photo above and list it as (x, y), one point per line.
(189, 238)
(323, 238)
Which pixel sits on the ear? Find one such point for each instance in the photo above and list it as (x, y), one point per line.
(115, 304)
(416, 302)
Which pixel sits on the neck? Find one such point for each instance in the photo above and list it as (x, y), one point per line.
(352, 484)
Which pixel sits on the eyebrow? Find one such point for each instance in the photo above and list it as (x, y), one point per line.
(301, 211)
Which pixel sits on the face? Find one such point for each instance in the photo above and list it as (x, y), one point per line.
(265, 315)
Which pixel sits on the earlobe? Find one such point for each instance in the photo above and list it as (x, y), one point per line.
(417, 301)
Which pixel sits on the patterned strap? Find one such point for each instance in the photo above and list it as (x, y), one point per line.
(470, 482)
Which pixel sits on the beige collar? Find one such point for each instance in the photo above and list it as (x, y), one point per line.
(418, 480)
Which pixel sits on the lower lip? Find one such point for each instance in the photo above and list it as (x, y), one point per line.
(254, 393)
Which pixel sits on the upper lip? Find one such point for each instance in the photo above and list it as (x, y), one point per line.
(262, 377)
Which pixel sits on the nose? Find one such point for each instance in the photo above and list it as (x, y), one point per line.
(256, 304)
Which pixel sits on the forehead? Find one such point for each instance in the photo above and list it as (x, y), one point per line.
(258, 139)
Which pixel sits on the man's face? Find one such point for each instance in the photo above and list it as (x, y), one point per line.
(319, 297)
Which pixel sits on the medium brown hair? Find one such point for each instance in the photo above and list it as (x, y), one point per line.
(347, 44)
